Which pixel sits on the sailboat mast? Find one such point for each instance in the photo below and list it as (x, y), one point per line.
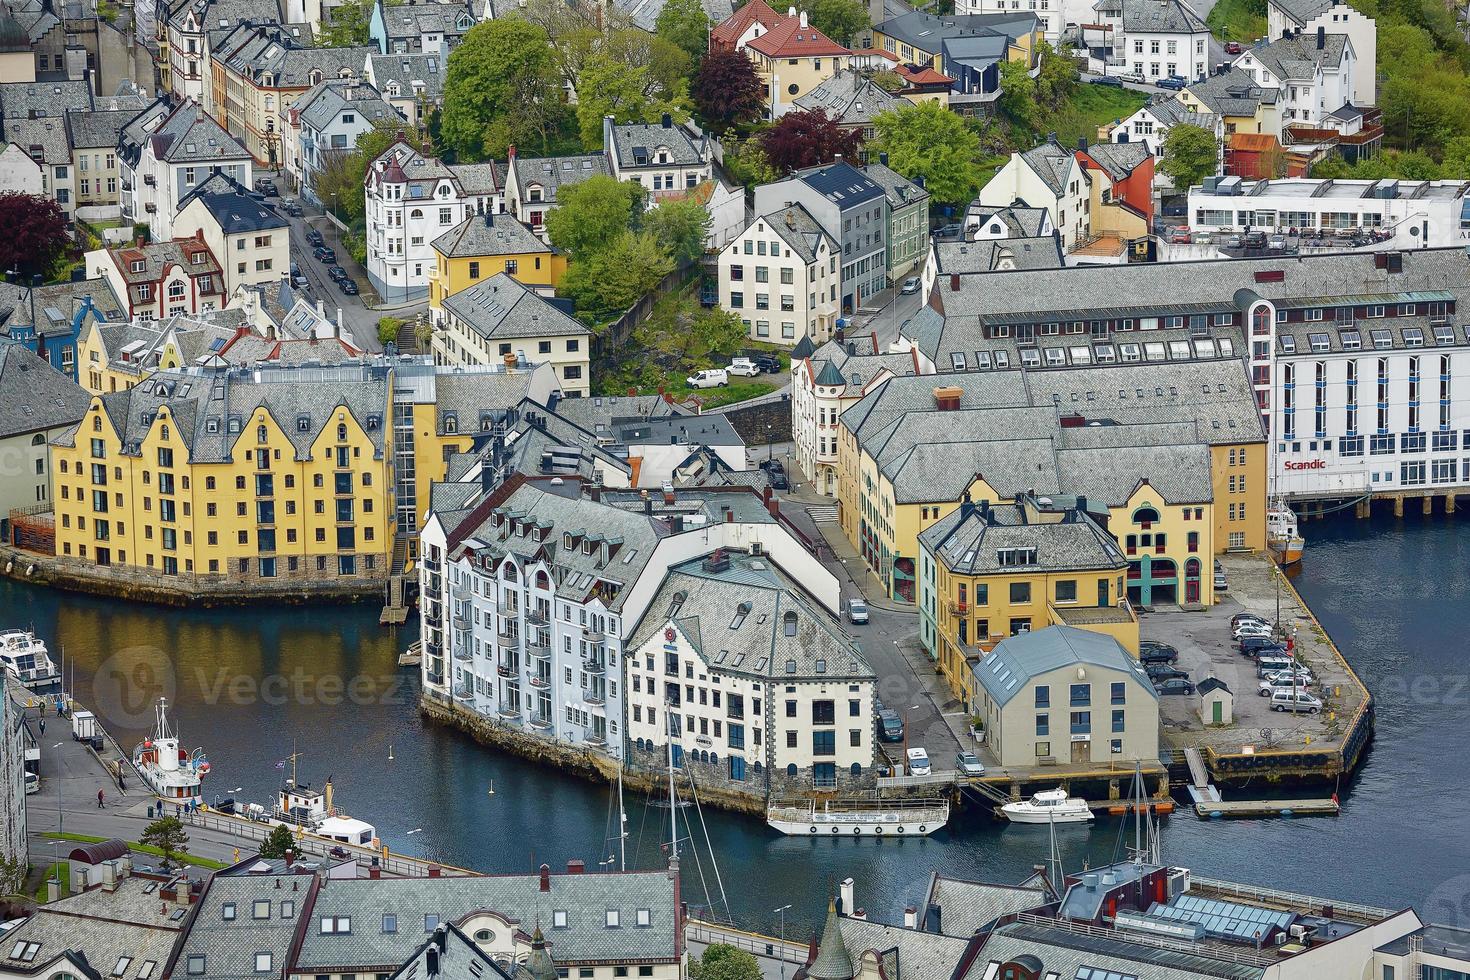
(622, 824)
(673, 799)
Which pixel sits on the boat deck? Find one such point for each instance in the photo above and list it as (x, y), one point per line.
(1240, 809)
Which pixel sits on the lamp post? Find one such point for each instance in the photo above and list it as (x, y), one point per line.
(782, 912)
(769, 437)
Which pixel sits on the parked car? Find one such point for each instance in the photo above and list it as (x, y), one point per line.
(298, 278)
(1179, 236)
(290, 207)
(1296, 701)
(1242, 617)
(1232, 47)
(1253, 646)
(777, 474)
(1222, 584)
(744, 367)
(1154, 652)
(910, 286)
(890, 725)
(951, 230)
(348, 287)
(336, 272)
(1234, 241)
(1270, 686)
(1174, 83)
(1201, 237)
(1273, 664)
(1302, 673)
(968, 764)
(918, 762)
(339, 852)
(314, 238)
(709, 378)
(1136, 77)
(266, 186)
(1255, 239)
(769, 363)
(1112, 81)
(857, 611)
(1174, 685)
(1163, 672)
(324, 255)
(1250, 629)
(1277, 243)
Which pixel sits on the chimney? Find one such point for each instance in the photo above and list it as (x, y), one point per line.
(290, 857)
(576, 867)
(375, 870)
(803, 20)
(774, 507)
(911, 918)
(790, 11)
(647, 503)
(546, 877)
(668, 121)
(1081, 505)
(967, 507)
(883, 158)
(766, 494)
(434, 871)
(1321, 38)
(844, 895)
(947, 399)
(668, 494)
(729, 515)
(954, 282)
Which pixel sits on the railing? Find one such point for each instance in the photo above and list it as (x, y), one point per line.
(1228, 954)
(708, 933)
(537, 681)
(594, 666)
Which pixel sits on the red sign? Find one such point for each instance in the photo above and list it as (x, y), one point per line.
(1311, 464)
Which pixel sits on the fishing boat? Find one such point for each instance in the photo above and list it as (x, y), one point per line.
(1282, 538)
(173, 774)
(1048, 806)
(858, 817)
(312, 810)
(25, 656)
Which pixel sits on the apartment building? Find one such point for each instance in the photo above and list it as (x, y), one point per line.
(993, 569)
(419, 28)
(413, 84)
(780, 276)
(665, 159)
(191, 27)
(162, 278)
(167, 151)
(93, 137)
(40, 404)
(117, 356)
(908, 217)
(1285, 17)
(500, 318)
(1312, 74)
(853, 99)
(966, 48)
(486, 244)
(326, 121)
(531, 184)
(792, 57)
(1151, 38)
(248, 237)
(739, 675)
(412, 200)
(1150, 125)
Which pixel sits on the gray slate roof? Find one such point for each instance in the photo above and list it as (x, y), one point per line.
(500, 308)
(1119, 159)
(21, 100)
(255, 50)
(644, 13)
(851, 98)
(322, 105)
(187, 134)
(1301, 11)
(1297, 58)
(129, 922)
(1233, 93)
(1156, 16)
(968, 539)
(34, 396)
(650, 138)
(229, 946)
(969, 906)
(405, 70)
(1168, 111)
(412, 20)
(1052, 162)
(986, 255)
(490, 234)
(924, 31)
(47, 133)
(234, 207)
(799, 230)
(1006, 669)
(552, 173)
(901, 191)
(1066, 952)
(97, 129)
(909, 954)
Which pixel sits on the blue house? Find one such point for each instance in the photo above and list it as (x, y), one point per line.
(49, 320)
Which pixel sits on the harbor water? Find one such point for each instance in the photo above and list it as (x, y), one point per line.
(253, 686)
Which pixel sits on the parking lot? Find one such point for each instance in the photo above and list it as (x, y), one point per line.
(1206, 650)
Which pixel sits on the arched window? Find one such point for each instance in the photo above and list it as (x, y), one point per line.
(1261, 321)
(38, 440)
(714, 758)
(509, 572)
(791, 770)
(342, 432)
(857, 769)
(261, 435)
(416, 213)
(1146, 516)
(542, 582)
(789, 622)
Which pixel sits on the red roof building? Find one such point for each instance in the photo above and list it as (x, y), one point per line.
(750, 21)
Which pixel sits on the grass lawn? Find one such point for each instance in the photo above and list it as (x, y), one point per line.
(1090, 107)
(198, 862)
(1238, 20)
(735, 391)
(51, 869)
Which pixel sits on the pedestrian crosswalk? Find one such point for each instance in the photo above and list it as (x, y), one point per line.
(823, 514)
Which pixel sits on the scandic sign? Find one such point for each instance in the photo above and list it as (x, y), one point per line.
(1313, 464)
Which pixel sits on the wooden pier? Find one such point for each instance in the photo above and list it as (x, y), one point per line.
(1243, 809)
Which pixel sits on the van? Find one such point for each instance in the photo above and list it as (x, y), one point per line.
(710, 378)
(918, 762)
(1270, 665)
(1296, 701)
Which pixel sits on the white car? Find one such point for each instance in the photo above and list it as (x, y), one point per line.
(710, 378)
(744, 367)
(1296, 701)
(857, 610)
(1251, 629)
(1269, 687)
(918, 762)
(910, 286)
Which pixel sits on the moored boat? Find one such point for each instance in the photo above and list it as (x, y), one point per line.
(313, 811)
(858, 817)
(1048, 806)
(25, 655)
(1282, 538)
(175, 775)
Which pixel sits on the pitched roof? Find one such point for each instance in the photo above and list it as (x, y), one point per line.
(841, 183)
(1052, 162)
(1158, 17)
(47, 134)
(428, 17)
(986, 255)
(900, 191)
(551, 173)
(234, 207)
(1301, 11)
(969, 539)
(501, 308)
(851, 98)
(1297, 57)
(130, 922)
(35, 396)
(636, 144)
(230, 945)
(790, 39)
(96, 129)
(402, 75)
(1119, 160)
(186, 134)
(799, 230)
(728, 31)
(969, 906)
(321, 105)
(833, 961)
(1015, 660)
(24, 100)
(490, 234)
(925, 31)
(255, 51)
(644, 13)
(1232, 93)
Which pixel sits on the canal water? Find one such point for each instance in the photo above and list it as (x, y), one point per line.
(254, 686)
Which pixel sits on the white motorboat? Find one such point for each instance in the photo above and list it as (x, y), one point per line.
(1282, 537)
(172, 773)
(858, 817)
(1048, 806)
(312, 810)
(25, 655)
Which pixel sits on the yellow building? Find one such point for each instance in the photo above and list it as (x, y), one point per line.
(485, 245)
(116, 356)
(992, 570)
(794, 57)
(1242, 106)
(235, 475)
(954, 45)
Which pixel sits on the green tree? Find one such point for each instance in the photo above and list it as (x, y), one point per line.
(168, 835)
(1018, 95)
(1190, 155)
(889, 81)
(501, 75)
(684, 23)
(680, 227)
(339, 182)
(279, 840)
(346, 26)
(930, 141)
(1058, 79)
(748, 164)
(840, 20)
(722, 961)
(591, 214)
(615, 277)
(630, 93)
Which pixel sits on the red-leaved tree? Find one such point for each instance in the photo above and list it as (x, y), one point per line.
(803, 138)
(727, 90)
(35, 232)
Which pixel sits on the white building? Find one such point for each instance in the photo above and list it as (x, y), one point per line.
(780, 276)
(191, 25)
(1151, 124)
(1152, 38)
(499, 318)
(1418, 213)
(251, 240)
(531, 184)
(411, 199)
(165, 153)
(327, 120)
(19, 172)
(1336, 17)
(752, 681)
(665, 159)
(1313, 74)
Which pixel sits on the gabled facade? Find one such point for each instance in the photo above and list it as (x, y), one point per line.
(1150, 125)
(327, 121)
(664, 158)
(192, 26)
(792, 58)
(165, 152)
(780, 276)
(161, 279)
(413, 84)
(251, 240)
(531, 184)
(1153, 39)
(1313, 75)
(412, 199)
(421, 28)
(484, 245)
(499, 320)
(1285, 17)
(967, 49)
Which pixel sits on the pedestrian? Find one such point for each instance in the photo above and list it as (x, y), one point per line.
(43, 707)
(99, 799)
(43, 726)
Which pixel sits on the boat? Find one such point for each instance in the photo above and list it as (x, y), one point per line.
(858, 817)
(174, 775)
(25, 656)
(1282, 538)
(312, 810)
(1048, 806)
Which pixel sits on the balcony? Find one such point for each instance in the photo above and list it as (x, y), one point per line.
(461, 591)
(433, 620)
(434, 649)
(433, 679)
(958, 608)
(507, 670)
(464, 691)
(463, 653)
(429, 564)
(596, 740)
(540, 722)
(461, 621)
(509, 713)
(536, 617)
(595, 698)
(149, 180)
(593, 636)
(539, 682)
(539, 647)
(593, 666)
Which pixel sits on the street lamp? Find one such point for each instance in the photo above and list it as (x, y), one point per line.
(782, 912)
(769, 437)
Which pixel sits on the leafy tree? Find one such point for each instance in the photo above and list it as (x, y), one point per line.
(839, 19)
(1058, 79)
(748, 163)
(1018, 95)
(590, 214)
(669, 66)
(1455, 163)
(1190, 155)
(684, 23)
(279, 840)
(502, 70)
(722, 961)
(168, 835)
(889, 81)
(727, 91)
(615, 277)
(680, 227)
(610, 86)
(807, 138)
(339, 182)
(927, 139)
(35, 232)
(571, 29)
(346, 26)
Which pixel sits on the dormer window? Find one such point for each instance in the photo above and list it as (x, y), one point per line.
(451, 424)
(137, 265)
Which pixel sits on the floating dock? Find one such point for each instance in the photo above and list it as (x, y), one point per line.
(1240, 809)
